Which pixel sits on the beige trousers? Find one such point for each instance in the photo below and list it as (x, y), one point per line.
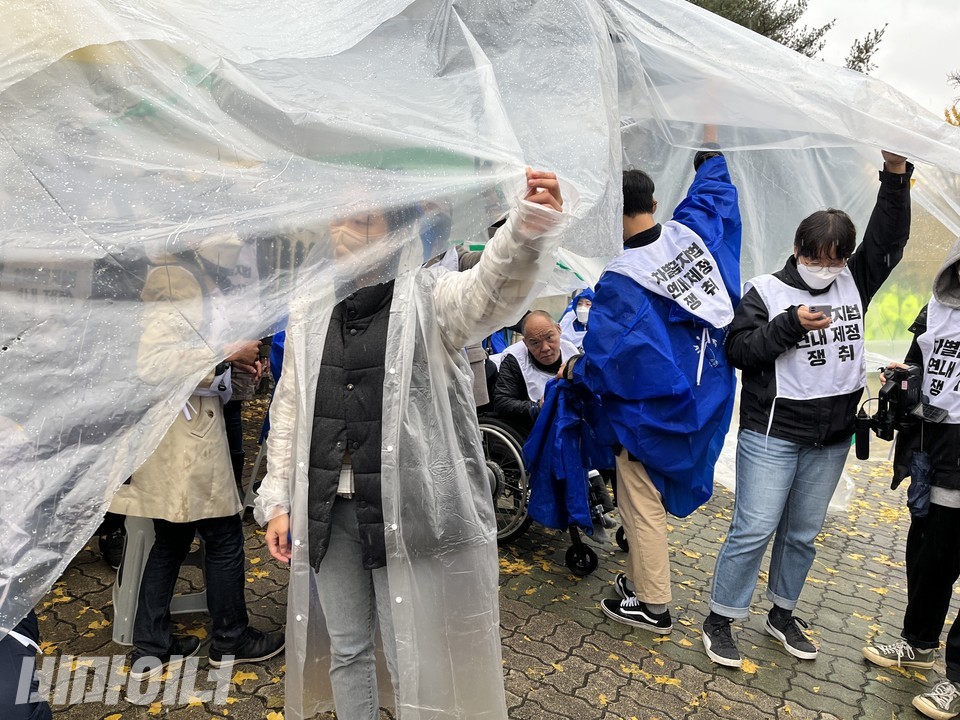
(645, 526)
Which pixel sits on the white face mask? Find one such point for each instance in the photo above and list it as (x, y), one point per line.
(817, 278)
(582, 314)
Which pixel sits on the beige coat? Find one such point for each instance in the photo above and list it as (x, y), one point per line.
(189, 476)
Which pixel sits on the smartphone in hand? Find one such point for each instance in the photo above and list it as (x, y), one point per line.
(825, 310)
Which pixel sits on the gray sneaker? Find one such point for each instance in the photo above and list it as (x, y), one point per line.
(941, 703)
(899, 654)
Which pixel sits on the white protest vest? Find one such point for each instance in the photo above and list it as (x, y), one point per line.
(680, 267)
(825, 362)
(535, 378)
(940, 345)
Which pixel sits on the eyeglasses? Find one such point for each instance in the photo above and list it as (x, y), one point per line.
(834, 266)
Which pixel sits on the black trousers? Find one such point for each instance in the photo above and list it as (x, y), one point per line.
(224, 561)
(933, 566)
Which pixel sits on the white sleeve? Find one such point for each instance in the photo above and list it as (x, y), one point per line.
(273, 497)
(512, 269)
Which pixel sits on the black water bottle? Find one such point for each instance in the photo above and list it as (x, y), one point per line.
(862, 431)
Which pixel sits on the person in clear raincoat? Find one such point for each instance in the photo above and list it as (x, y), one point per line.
(376, 491)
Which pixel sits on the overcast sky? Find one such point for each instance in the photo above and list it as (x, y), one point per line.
(921, 44)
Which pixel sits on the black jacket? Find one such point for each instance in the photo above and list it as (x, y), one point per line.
(511, 401)
(348, 418)
(754, 341)
(940, 440)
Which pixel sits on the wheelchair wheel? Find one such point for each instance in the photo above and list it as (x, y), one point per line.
(503, 452)
(581, 560)
(622, 539)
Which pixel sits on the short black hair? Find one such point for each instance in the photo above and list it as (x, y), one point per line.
(829, 233)
(637, 192)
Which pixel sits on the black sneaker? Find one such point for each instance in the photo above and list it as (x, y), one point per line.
(144, 667)
(786, 628)
(111, 547)
(620, 583)
(718, 641)
(635, 612)
(254, 646)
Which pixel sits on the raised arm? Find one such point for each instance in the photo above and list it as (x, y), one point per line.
(888, 229)
(496, 292)
(711, 209)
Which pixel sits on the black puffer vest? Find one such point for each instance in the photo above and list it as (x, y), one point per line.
(347, 418)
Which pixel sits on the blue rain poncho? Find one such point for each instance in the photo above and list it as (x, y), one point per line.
(661, 374)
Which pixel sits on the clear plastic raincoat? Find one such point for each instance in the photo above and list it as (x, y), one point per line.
(438, 511)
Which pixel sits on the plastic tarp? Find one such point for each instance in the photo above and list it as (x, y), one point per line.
(227, 136)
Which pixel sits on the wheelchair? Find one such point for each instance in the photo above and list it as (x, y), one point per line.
(509, 480)
(510, 484)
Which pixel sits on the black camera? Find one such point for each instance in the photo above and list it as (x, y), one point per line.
(898, 397)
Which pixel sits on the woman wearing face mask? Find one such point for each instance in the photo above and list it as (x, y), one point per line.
(797, 336)
(573, 322)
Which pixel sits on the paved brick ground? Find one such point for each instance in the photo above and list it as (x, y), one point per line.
(564, 659)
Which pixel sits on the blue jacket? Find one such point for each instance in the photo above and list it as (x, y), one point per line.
(642, 358)
(557, 456)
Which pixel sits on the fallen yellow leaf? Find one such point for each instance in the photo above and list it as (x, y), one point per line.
(749, 666)
(666, 680)
(240, 677)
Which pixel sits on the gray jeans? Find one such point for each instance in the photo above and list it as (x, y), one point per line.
(353, 600)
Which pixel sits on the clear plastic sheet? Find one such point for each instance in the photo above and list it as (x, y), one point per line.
(228, 136)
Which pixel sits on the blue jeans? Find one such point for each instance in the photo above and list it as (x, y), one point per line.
(223, 575)
(782, 488)
(354, 601)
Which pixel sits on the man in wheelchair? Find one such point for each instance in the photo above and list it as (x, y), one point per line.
(526, 367)
(518, 393)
